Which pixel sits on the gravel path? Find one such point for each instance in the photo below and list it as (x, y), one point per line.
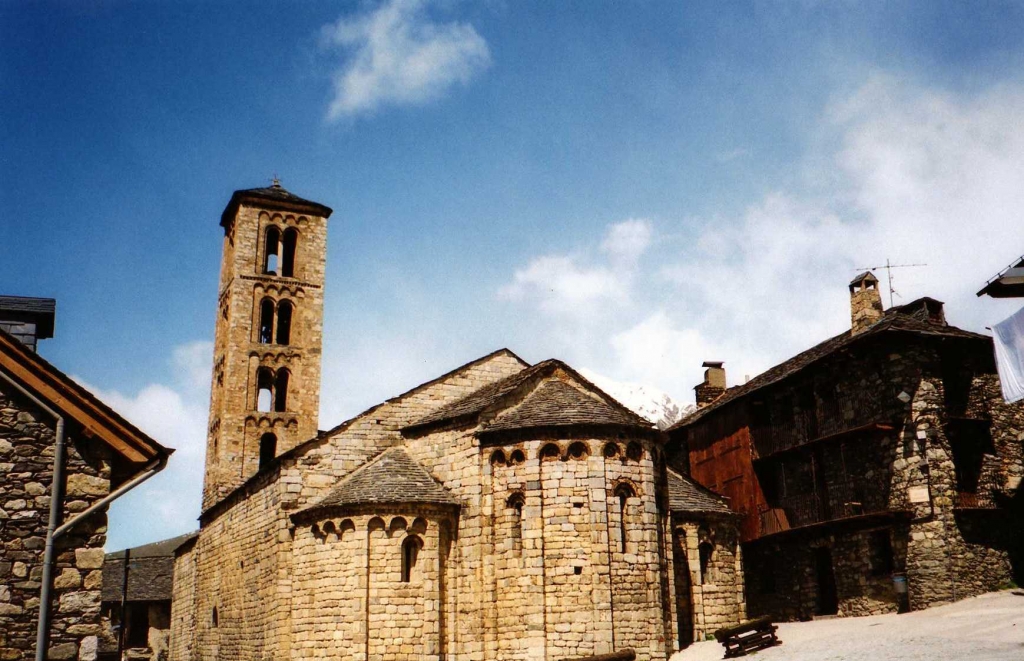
(985, 628)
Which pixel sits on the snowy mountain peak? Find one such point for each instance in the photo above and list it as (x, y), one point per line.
(647, 401)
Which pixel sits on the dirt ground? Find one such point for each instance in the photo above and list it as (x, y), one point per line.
(985, 628)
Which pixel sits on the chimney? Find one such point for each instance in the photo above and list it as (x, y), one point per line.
(714, 383)
(27, 319)
(865, 302)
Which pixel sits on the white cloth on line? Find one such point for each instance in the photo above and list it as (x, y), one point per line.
(1009, 341)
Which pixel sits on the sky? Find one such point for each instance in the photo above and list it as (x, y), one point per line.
(631, 187)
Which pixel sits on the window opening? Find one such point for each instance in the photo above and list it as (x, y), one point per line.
(268, 449)
(624, 493)
(281, 391)
(291, 239)
(264, 389)
(881, 553)
(284, 322)
(266, 321)
(410, 551)
(270, 250)
(515, 502)
(705, 550)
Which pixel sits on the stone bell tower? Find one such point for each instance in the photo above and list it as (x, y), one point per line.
(265, 395)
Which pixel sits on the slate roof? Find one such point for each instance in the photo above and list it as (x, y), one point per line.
(150, 571)
(393, 477)
(558, 404)
(41, 310)
(273, 197)
(685, 495)
(1006, 283)
(900, 319)
(584, 413)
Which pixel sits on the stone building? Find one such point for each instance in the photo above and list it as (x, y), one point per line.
(877, 471)
(50, 425)
(499, 511)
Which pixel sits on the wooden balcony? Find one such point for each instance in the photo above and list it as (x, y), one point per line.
(838, 501)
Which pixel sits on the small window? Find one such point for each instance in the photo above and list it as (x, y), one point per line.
(515, 504)
(634, 451)
(623, 492)
(266, 321)
(264, 389)
(881, 553)
(410, 551)
(517, 457)
(281, 390)
(291, 239)
(705, 550)
(268, 449)
(271, 247)
(549, 452)
(284, 322)
(578, 450)
(214, 619)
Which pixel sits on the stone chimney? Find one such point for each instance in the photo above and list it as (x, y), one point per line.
(714, 383)
(865, 302)
(27, 319)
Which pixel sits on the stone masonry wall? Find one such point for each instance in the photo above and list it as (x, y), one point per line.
(716, 599)
(183, 604)
(26, 475)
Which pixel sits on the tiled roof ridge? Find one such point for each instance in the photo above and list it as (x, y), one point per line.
(558, 403)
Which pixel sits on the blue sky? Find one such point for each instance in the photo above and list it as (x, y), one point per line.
(631, 187)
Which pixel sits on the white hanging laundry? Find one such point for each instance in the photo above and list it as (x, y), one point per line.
(1009, 341)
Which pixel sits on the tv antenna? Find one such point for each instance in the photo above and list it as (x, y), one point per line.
(888, 274)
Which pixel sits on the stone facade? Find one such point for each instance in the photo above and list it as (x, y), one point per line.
(880, 460)
(500, 511)
(26, 476)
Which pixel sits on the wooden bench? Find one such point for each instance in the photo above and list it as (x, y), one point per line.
(748, 637)
(621, 655)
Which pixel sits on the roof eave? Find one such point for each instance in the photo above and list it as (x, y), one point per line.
(248, 197)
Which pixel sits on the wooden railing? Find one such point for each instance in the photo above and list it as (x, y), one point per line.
(836, 501)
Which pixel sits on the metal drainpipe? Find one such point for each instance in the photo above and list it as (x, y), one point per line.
(56, 506)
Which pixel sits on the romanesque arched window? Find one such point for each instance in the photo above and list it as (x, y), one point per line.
(268, 448)
(578, 450)
(264, 389)
(515, 504)
(281, 390)
(517, 457)
(623, 492)
(549, 452)
(271, 247)
(266, 321)
(284, 322)
(291, 240)
(705, 551)
(634, 451)
(410, 551)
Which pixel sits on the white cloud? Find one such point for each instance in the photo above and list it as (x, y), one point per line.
(168, 503)
(899, 171)
(395, 55)
(568, 285)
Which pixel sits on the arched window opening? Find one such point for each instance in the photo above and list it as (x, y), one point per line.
(578, 450)
(270, 250)
(264, 389)
(515, 503)
(266, 321)
(410, 551)
(281, 391)
(611, 450)
(549, 452)
(284, 322)
(498, 458)
(517, 457)
(268, 449)
(705, 550)
(634, 451)
(623, 492)
(291, 239)
(214, 619)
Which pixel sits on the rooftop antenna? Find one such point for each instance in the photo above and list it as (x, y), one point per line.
(888, 274)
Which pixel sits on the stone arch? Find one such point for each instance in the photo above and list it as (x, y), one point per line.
(515, 503)
(346, 527)
(397, 524)
(289, 246)
(624, 491)
(285, 312)
(330, 529)
(634, 451)
(611, 450)
(498, 458)
(271, 250)
(550, 452)
(578, 450)
(517, 457)
(411, 546)
(419, 526)
(265, 325)
(376, 523)
(268, 448)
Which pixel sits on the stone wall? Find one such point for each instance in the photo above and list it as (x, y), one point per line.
(711, 597)
(26, 465)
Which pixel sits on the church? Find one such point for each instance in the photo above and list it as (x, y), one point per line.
(502, 510)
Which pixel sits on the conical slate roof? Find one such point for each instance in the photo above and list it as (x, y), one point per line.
(392, 478)
(685, 495)
(272, 197)
(558, 404)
